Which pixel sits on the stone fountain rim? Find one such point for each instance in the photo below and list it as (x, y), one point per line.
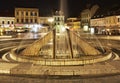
(62, 62)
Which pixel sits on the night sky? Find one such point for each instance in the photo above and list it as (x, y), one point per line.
(46, 7)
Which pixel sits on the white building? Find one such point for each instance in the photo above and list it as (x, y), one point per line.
(7, 22)
(59, 21)
(108, 24)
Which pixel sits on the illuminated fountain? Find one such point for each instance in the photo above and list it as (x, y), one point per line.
(62, 52)
(60, 46)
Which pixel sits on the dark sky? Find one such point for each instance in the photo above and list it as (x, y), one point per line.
(46, 7)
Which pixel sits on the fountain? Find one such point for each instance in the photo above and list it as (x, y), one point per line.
(60, 46)
(62, 52)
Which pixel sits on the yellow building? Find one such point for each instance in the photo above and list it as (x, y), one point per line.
(45, 20)
(7, 21)
(73, 23)
(26, 15)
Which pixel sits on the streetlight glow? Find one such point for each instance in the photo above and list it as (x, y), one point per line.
(50, 20)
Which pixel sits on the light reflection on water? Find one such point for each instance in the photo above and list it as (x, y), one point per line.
(63, 7)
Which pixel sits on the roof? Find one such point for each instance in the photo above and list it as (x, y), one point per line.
(25, 8)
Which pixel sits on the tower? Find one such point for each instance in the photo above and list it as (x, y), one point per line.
(59, 21)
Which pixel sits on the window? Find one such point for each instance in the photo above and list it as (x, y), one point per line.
(118, 19)
(17, 20)
(26, 13)
(35, 14)
(55, 18)
(31, 14)
(3, 22)
(26, 20)
(12, 22)
(58, 19)
(22, 20)
(35, 20)
(8, 22)
(31, 20)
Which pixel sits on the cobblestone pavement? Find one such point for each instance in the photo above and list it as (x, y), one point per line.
(36, 69)
(14, 79)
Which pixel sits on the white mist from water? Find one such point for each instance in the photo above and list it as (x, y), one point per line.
(63, 7)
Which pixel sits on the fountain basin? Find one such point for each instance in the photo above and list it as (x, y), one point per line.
(84, 60)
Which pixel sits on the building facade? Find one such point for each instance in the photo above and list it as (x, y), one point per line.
(106, 25)
(7, 22)
(85, 17)
(26, 18)
(74, 23)
(58, 21)
(26, 15)
(44, 20)
(46, 23)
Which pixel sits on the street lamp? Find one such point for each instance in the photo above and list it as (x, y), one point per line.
(50, 20)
